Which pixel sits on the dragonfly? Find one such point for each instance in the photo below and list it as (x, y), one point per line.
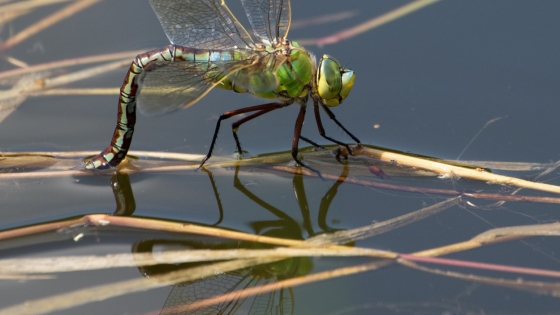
(210, 49)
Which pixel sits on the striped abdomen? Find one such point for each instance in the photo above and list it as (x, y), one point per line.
(208, 63)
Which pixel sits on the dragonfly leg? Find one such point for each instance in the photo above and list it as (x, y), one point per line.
(316, 145)
(259, 109)
(297, 134)
(235, 126)
(331, 116)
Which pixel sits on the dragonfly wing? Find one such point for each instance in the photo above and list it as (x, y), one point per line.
(278, 302)
(270, 19)
(201, 24)
(183, 295)
(167, 86)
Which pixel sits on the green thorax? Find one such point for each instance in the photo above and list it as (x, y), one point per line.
(275, 75)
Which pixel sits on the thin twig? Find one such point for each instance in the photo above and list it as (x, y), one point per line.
(452, 171)
(28, 5)
(128, 55)
(371, 24)
(68, 11)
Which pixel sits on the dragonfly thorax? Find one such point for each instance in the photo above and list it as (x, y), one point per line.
(333, 81)
(284, 72)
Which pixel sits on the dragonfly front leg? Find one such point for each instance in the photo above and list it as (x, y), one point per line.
(331, 116)
(259, 109)
(297, 135)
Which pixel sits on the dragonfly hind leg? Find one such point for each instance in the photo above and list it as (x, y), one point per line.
(259, 109)
(235, 126)
(333, 118)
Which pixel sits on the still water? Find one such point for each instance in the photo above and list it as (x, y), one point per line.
(431, 81)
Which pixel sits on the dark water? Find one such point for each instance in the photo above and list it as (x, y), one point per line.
(431, 80)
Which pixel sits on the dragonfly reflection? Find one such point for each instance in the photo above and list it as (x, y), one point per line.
(280, 301)
(184, 294)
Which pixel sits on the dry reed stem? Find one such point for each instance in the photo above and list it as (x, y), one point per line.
(67, 11)
(395, 158)
(16, 62)
(102, 292)
(125, 55)
(495, 236)
(6, 17)
(406, 259)
(495, 165)
(57, 264)
(82, 263)
(86, 91)
(80, 154)
(288, 283)
(518, 284)
(452, 171)
(377, 228)
(369, 25)
(47, 83)
(422, 190)
(178, 227)
(105, 291)
(547, 288)
(80, 75)
(28, 5)
(25, 277)
(226, 162)
(323, 19)
(509, 166)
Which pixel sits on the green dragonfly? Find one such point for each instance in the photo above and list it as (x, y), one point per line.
(210, 48)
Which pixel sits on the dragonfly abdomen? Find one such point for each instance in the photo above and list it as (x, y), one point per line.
(113, 154)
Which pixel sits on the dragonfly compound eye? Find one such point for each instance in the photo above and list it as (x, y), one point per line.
(333, 81)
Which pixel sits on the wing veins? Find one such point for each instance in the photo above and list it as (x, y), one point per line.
(170, 86)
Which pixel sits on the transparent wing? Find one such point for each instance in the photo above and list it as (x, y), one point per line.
(279, 302)
(270, 19)
(201, 24)
(184, 295)
(167, 86)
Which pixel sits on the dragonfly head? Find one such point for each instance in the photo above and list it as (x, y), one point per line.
(334, 82)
